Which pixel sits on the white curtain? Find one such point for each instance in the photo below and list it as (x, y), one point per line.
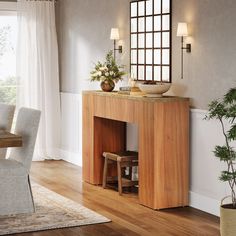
(37, 71)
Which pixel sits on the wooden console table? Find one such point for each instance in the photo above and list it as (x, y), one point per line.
(163, 130)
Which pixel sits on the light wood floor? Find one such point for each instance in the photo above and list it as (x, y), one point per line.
(128, 217)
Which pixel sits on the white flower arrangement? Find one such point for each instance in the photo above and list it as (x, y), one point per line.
(108, 70)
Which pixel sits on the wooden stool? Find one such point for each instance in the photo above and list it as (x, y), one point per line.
(123, 160)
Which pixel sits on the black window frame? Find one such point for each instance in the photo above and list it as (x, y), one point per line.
(161, 65)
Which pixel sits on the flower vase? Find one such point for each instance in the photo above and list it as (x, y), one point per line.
(107, 85)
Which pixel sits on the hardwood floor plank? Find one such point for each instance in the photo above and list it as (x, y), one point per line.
(128, 217)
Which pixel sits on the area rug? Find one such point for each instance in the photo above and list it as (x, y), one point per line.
(53, 211)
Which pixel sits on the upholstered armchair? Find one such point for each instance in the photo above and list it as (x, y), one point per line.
(16, 195)
(6, 118)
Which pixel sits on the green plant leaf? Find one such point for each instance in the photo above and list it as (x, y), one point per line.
(231, 112)
(216, 110)
(230, 96)
(232, 133)
(224, 153)
(227, 176)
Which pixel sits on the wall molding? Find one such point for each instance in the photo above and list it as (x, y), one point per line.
(204, 203)
(72, 157)
(206, 189)
(71, 128)
(199, 111)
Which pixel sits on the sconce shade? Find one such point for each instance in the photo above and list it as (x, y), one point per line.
(115, 34)
(182, 29)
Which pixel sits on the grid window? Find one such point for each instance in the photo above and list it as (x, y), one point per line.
(149, 7)
(150, 39)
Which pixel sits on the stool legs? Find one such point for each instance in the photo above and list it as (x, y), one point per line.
(104, 181)
(130, 172)
(122, 160)
(119, 177)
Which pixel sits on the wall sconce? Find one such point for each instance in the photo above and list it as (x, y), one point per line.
(182, 32)
(115, 36)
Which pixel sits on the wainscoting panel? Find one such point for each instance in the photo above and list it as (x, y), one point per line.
(71, 117)
(206, 190)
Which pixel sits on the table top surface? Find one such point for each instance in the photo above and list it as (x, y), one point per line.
(115, 94)
(4, 134)
(8, 139)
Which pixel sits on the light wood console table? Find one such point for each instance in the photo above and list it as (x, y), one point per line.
(163, 134)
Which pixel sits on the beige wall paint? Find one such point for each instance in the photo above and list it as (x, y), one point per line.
(84, 38)
(209, 71)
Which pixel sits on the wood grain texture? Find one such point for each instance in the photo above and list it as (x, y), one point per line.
(128, 217)
(146, 138)
(172, 154)
(163, 126)
(10, 140)
(109, 135)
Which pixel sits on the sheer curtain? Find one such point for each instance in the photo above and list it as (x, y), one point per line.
(37, 71)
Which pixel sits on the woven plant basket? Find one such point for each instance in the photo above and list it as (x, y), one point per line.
(227, 220)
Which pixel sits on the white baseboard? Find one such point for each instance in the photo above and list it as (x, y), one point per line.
(72, 157)
(204, 203)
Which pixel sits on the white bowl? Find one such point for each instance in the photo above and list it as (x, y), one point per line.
(155, 90)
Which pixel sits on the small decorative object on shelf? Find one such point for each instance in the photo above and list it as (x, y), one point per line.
(108, 73)
(124, 90)
(132, 89)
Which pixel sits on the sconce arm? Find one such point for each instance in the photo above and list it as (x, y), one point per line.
(188, 47)
(119, 49)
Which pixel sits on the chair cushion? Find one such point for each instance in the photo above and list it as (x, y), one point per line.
(11, 168)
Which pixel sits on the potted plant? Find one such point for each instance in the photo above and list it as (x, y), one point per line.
(225, 110)
(108, 73)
